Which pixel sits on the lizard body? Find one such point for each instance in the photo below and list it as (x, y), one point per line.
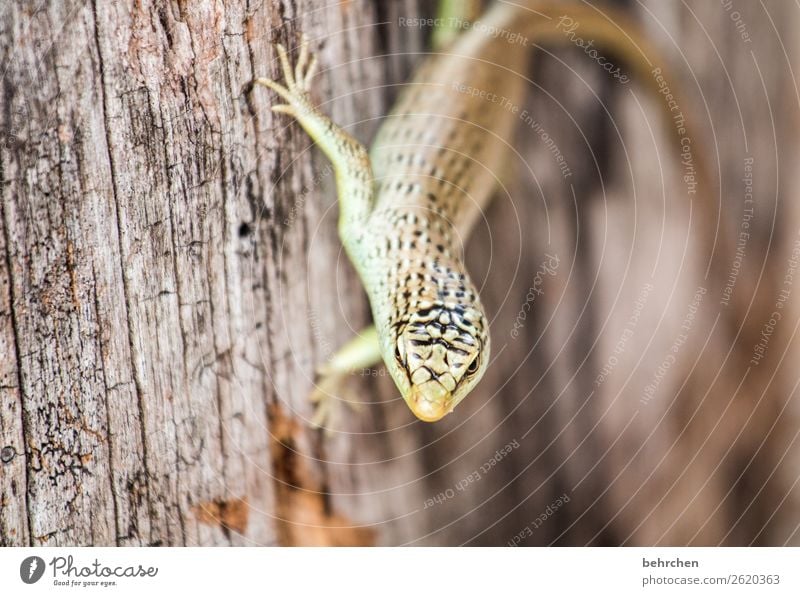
(407, 207)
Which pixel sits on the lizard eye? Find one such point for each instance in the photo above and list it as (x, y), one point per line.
(473, 366)
(397, 354)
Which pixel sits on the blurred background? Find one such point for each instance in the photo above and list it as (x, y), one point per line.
(172, 277)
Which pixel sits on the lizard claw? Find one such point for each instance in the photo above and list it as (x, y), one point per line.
(284, 109)
(296, 81)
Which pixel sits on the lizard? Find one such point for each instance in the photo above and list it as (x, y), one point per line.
(407, 204)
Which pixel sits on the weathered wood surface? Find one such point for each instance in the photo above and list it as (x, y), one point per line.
(170, 277)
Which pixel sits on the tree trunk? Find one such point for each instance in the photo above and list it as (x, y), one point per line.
(171, 277)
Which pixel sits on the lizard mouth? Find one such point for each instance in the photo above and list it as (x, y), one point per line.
(430, 401)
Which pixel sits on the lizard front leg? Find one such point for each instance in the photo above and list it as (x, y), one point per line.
(354, 186)
(354, 182)
(360, 353)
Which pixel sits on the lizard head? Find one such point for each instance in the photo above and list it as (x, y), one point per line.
(440, 354)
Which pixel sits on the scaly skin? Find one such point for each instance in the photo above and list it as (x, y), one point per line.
(434, 160)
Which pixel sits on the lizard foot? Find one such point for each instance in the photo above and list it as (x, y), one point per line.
(325, 397)
(358, 354)
(296, 89)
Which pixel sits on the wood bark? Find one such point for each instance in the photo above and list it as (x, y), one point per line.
(170, 277)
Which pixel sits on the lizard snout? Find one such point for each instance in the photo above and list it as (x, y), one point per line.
(430, 401)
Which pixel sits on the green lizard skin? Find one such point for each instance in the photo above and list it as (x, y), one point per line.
(407, 207)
